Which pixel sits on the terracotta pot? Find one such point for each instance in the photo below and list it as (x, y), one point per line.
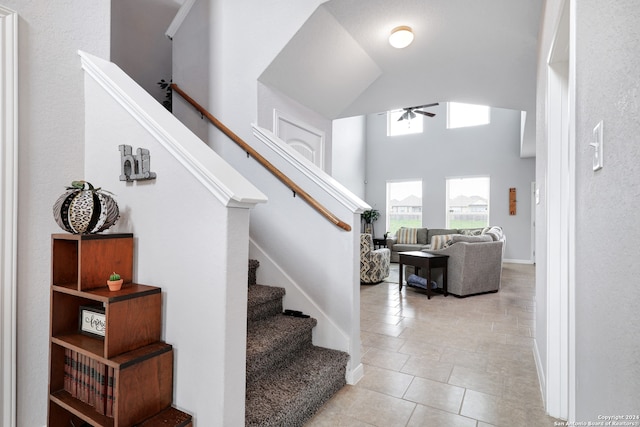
(115, 285)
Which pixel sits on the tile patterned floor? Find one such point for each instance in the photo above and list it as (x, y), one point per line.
(450, 362)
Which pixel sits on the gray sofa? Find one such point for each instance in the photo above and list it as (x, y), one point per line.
(474, 264)
(424, 236)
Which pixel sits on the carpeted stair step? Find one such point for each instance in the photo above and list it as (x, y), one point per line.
(264, 301)
(273, 341)
(290, 396)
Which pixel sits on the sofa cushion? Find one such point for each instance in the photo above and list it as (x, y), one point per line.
(407, 235)
(439, 231)
(440, 241)
(470, 239)
(406, 247)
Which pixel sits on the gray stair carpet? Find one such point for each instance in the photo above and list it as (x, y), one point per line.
(288, 378)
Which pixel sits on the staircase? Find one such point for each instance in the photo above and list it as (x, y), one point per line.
(288, 378)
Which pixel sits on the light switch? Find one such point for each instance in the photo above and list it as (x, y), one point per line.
(597, 144)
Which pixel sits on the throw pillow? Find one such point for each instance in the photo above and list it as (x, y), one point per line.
(440, 241)
(407, 236)
(495, 232)
(471, 231)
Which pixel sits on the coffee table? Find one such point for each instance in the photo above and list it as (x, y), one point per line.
(425, 260)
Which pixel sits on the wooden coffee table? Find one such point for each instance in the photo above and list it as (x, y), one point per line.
(427, 261)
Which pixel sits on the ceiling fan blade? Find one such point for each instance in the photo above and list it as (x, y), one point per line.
(423, 106)
(424, 113)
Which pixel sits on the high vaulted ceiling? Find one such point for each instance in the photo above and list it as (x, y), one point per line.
(340, 63)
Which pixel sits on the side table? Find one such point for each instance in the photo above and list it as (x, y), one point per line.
(427, 261)
(379, 242)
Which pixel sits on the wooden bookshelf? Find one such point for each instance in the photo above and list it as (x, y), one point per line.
(121, 379)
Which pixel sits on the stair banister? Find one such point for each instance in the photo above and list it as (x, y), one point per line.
(297, 190)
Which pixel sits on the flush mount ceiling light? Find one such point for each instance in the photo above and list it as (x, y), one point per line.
(401, 37)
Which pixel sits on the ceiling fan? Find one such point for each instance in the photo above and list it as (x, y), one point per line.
(410, 112)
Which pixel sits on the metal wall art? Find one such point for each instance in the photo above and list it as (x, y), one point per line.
(135, 168)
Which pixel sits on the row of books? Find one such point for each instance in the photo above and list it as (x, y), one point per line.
(89, 381)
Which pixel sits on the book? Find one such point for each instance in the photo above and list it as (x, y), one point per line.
(74, 373)
(67, 370)
(92, 382)
(110, 386)
(101, 391)
(81, 379)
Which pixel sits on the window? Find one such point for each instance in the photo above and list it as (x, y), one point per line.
(404, 205)
(468, 202)
(465, 115)
(402, 127)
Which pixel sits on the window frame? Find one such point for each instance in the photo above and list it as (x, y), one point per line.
(448, 198)
(392, 123)
(388, 200)
(469, 124)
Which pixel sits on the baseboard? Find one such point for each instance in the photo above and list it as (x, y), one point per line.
(518, 261)
(541, 378)
(355, 375)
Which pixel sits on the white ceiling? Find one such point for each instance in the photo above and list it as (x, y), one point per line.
(340, 63)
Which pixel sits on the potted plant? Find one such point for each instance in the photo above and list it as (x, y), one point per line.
(369, 217)
(114, 282)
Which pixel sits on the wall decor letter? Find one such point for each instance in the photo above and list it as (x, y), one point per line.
(133, 168)
(512, 201)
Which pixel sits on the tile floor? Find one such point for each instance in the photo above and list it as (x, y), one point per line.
(450, 362)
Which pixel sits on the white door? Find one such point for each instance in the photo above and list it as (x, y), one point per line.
(305, 139)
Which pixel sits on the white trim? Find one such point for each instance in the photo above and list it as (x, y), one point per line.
(571, 309)
(539, 370)
(518, 261)
(9, 200)
(534, 203)
(560, 357)
(179, 18)
(355, 374)
(224, 182)
(311, 171)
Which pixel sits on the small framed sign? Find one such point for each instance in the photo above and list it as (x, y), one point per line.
(92, 321)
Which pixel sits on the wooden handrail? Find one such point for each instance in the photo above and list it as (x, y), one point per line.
(264, 162)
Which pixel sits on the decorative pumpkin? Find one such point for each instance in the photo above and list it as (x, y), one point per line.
(83, 209)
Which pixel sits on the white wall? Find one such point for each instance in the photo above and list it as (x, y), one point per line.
(187, 241)
(349, 153)
(439, 153)
(51, 155)
(138, 42)
(607, 203)
(607, 366)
